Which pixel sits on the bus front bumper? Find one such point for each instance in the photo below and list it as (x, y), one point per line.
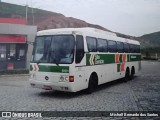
(60, 86)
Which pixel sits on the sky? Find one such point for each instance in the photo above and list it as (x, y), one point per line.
(130, 17)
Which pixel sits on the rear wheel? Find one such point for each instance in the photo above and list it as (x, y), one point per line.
(132, 73)
(127, 75)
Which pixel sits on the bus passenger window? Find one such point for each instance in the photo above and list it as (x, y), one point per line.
(112, 47)
(79, 48)
(138, 48)
(131, 48)
(101, 45)
(126, 47)
(92, 44)
(120, 47)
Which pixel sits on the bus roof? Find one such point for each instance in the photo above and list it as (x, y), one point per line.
(93, 32)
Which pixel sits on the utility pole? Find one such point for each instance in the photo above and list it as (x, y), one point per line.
(32, 13)
(26, 12)
(32, 16)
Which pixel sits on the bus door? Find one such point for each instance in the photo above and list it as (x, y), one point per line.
(79, 60)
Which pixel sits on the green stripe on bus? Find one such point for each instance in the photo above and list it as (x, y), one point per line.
(96, 59)
(46, 68)
(120, 59)
(118, 67)
(135, 58)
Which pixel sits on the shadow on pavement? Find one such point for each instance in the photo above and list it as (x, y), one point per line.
(60, 94)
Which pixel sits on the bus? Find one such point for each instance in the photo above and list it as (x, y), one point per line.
(74, 59)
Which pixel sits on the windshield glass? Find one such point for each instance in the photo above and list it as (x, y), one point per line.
(58, 49)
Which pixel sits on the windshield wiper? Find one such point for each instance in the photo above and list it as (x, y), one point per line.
(39, 61)
(56, 62)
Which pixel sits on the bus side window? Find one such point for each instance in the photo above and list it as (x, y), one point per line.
(138, 49)
(112, 47)
(101, 45)
(131, 48)
(79, 48)
(92, 44)
(126, 47)
(120, 47)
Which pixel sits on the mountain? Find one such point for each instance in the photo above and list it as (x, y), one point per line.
(48, 20)
(42, 18)
(150, 43)
(150, 40)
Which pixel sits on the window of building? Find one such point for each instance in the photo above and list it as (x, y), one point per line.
(101, 45)
(120, 47)
(2, 52)
(112, 47)
(12, 52)
(21, 52)
(92, 44)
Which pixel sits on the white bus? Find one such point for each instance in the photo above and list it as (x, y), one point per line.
(73, 59)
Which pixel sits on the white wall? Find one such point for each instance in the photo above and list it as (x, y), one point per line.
(18, 29)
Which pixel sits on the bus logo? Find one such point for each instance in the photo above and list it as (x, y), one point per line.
(95, 59)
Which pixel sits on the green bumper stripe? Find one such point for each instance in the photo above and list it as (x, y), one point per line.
(58, 69)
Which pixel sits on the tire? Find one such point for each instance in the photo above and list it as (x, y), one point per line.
(132, 73)
(93, 83)
(127, 75)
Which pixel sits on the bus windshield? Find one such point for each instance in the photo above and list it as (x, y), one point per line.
(58, 49)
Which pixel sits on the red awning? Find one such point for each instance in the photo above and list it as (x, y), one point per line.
(13, 21)
(12, 39)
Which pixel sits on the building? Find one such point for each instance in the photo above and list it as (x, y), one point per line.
(15, 47)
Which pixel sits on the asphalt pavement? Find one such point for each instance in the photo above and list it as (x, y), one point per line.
(140, 94)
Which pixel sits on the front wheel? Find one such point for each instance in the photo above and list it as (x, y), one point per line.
(92, 84)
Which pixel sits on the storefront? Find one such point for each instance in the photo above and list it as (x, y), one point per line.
(15, 52)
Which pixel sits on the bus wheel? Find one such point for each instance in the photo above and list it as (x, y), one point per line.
(93, 83)
(127, 75)
(132, 73)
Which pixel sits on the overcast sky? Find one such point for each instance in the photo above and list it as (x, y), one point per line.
(132, 17)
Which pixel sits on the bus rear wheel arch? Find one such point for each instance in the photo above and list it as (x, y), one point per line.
(93, 83)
